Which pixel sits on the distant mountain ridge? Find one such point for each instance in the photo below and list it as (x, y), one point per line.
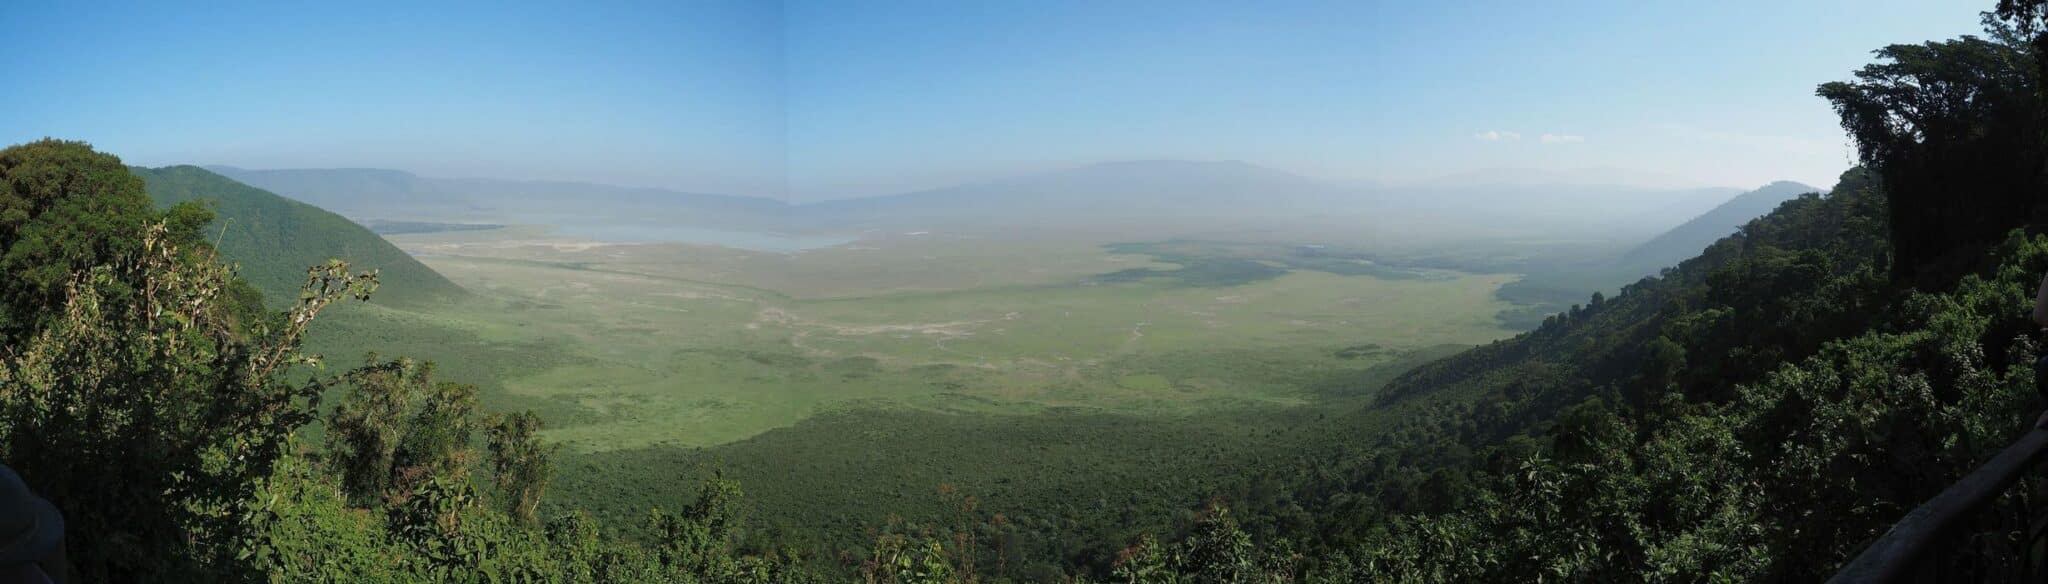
(1687, 239)
(1551, 288)
(1111, 192)
(1593, 176)
(374, 193)
(1145, 198)
(355, 192)
(274, 239)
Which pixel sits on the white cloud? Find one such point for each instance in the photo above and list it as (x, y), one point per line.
(1561, 138)
(1498, 136)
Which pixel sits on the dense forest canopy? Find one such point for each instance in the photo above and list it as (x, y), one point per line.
(1942, 116)
(1759, 412)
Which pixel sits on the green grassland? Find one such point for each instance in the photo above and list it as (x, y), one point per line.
(1085, 391)
(626, 346)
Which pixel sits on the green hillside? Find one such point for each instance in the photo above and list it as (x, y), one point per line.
(1686, 240)
(1555, 285)
(1761, 412)
(274, 239)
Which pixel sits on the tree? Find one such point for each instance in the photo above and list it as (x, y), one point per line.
(2029, 21)
(1145, 562)
(520, 464)
(1662, 368)
(437, 438)
(140, 409)
(64, 209)
(364, 432)
(698, 540)
(900, 559)
(1218, 551)
(1956, 131)
(397, 430)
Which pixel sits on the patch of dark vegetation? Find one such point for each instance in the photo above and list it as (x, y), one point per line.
(1348, 263)
(854, 367)
(1337, 386)
(1074, 484)
(1208, 272)
(953, 399)
(1361, 351)
(935, 369)
(783, 360)
(1221, 263)
(713, 404)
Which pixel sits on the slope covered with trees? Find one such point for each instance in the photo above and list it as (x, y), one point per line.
(272, 239)
(1686, 240)
(1762, 411)
(146, 392)
(1554, 283)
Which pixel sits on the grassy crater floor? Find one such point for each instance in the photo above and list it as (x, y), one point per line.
(624, 346)
(1084, 391)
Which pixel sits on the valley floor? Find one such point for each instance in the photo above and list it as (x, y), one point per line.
(1082, 390)
(625, 345)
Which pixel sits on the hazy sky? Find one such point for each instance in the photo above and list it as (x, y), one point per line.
(825, 99)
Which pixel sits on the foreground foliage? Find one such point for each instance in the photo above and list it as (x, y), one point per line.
(1760, 412)
(143, 390)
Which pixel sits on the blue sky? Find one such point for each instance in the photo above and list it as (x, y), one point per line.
(815, 100)
(682, 94)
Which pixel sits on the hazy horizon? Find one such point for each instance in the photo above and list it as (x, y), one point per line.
(806, 101)
(1501, 176)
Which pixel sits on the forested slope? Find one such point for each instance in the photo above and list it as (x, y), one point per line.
(1686, 240)
(1760, 412)
(1553, 285)
(274, 239)
(147, 395)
